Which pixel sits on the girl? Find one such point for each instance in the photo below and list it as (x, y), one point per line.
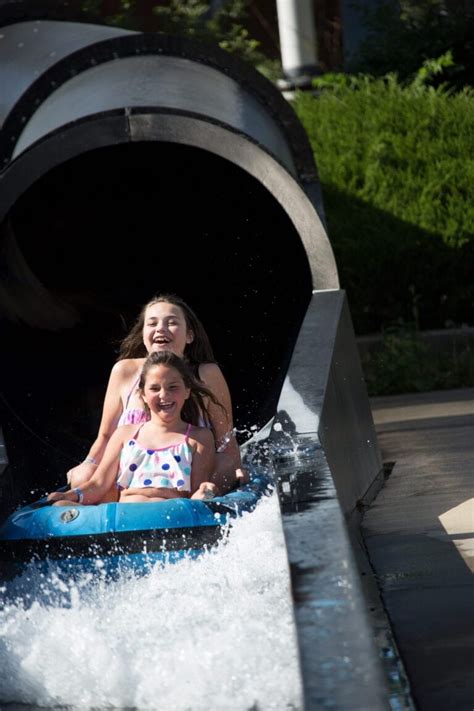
(166, 323)
(164, 457)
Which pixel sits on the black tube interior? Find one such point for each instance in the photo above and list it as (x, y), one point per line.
(106, 231)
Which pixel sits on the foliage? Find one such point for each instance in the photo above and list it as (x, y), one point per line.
(193, 18)
(404, 148)
(127, 17)
(396, 162)
(405, 363)
(404, 33)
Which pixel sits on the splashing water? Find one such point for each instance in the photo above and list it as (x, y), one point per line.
(213, 633)
(296, 447)
(222, 443)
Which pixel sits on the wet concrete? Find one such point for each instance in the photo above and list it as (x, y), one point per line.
(419, 533)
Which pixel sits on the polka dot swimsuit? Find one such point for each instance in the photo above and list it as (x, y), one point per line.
(168, 467)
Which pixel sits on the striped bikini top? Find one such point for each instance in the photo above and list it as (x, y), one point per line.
(168, 467)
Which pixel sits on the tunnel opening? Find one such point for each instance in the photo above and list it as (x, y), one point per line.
(102, 233)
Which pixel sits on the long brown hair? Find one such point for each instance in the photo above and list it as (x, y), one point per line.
(196, 352)
(194, 407)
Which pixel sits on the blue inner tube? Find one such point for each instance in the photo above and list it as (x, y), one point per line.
(170, 528)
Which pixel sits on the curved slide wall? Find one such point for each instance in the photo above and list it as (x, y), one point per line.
(133, 164)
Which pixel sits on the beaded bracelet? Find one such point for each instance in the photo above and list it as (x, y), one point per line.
(80, 495)
(90, 460)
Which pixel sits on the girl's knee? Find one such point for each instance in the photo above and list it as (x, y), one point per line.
(77, 479)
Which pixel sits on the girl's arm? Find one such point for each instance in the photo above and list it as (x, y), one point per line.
(111, 411)
(104, 475)
(228, 462)
(204, 457)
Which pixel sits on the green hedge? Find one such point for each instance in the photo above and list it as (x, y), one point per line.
(397, 169)
(405, 362)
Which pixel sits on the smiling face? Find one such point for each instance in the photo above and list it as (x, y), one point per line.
(165, 392)
(165, 329)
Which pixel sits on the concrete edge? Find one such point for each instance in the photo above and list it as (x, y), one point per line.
(326, 461)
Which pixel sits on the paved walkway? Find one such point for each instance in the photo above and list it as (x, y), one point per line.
(419, 533)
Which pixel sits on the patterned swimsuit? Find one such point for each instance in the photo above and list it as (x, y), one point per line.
(168, 467)
(133, 416)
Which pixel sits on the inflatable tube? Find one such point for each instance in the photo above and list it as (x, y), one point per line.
(130, 535)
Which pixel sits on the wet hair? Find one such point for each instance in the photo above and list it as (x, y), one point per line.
(196, 352)
(194, 408)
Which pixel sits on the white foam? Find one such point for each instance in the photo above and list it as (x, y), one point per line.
(214, 633)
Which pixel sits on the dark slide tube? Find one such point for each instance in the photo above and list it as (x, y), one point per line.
(133, 164)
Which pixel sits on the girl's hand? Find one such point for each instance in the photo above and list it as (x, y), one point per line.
(242, 475)
(207, 490)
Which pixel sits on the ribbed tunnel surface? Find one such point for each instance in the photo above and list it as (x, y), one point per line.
(133, 165)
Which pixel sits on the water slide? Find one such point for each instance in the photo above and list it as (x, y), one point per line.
(133, 164)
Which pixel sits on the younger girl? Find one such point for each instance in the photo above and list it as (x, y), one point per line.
(165, 457)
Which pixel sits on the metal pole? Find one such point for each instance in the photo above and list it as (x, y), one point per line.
(297, 32)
